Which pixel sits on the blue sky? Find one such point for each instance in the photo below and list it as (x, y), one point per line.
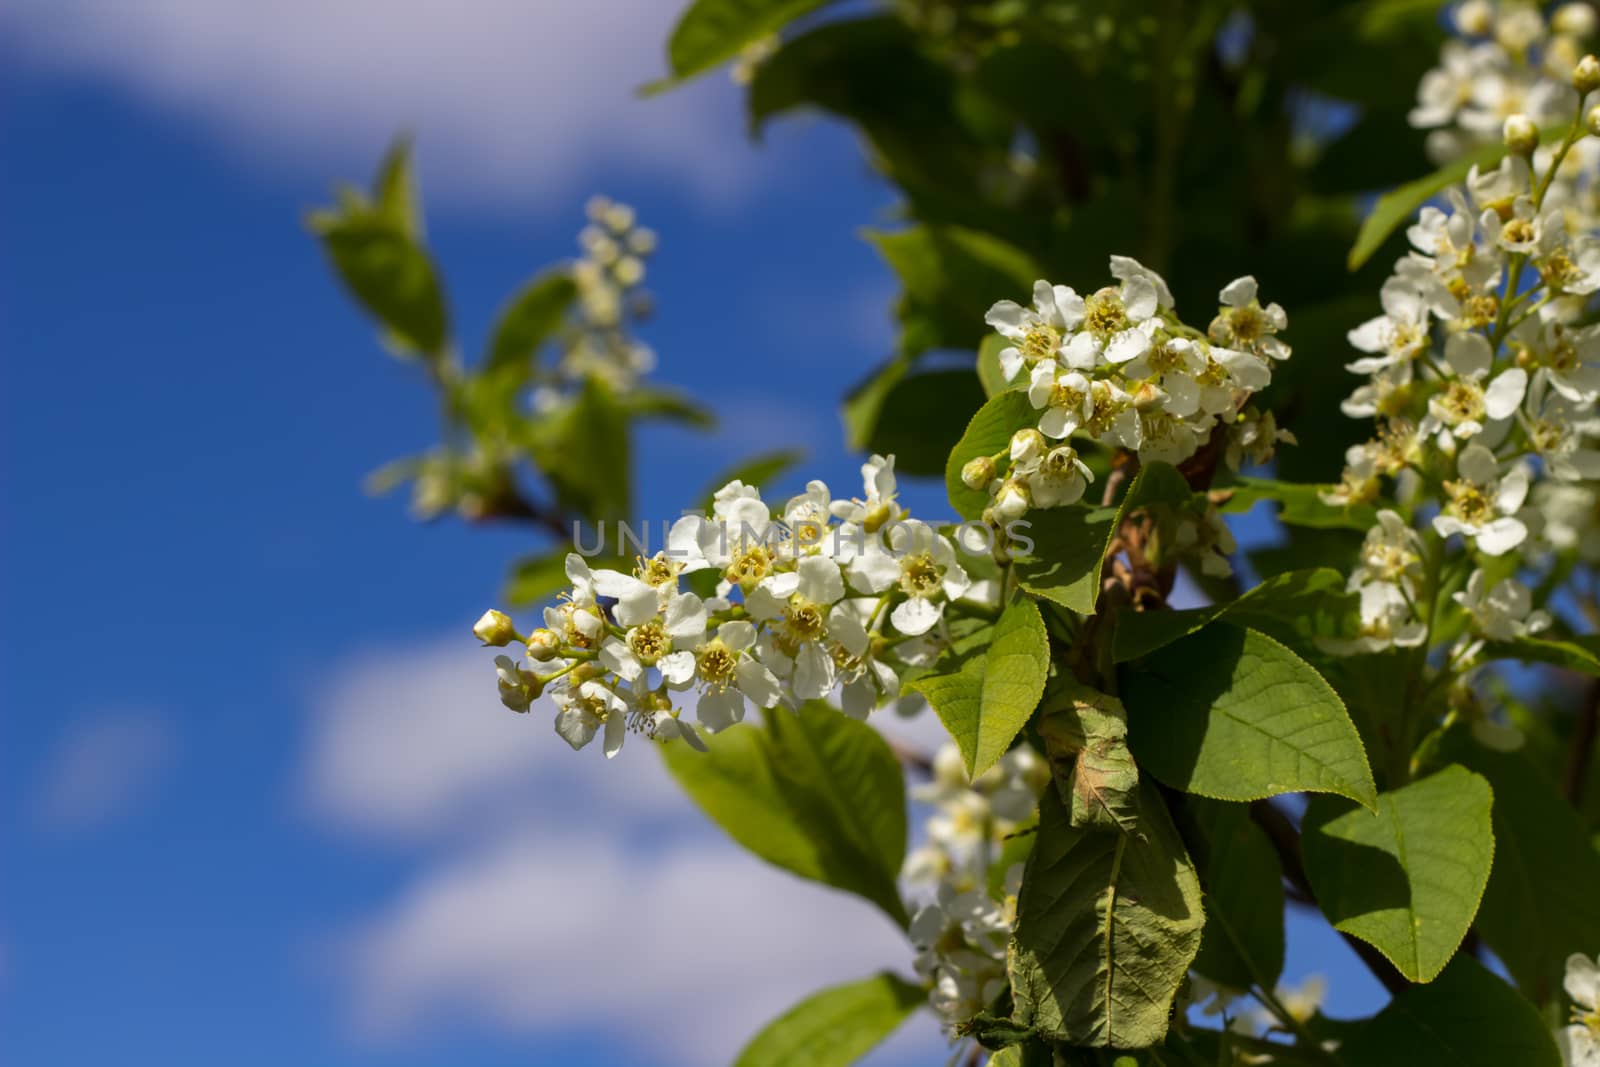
(260, 802)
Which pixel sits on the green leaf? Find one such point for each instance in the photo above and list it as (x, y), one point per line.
(986, 703)
(1013, 680)
(1540, 899)
(835, 1027)
(1243, 942)
(1057, 553)
(531, 316)
(988, 432)
(1396, 208)
(1107, 925)
(1408, 879)
(815, 792)
(1282, 605)
(713, 31)
(395, 190)
(989, 374)
(1580, 654)
(1466, 1017)
(1085, 736)
(1232, 714)
(1300, 504)
(390, 275)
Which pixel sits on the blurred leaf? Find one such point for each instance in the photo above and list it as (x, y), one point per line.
(1466, 1017)
(1231, 714)
(1580, 654)
(815, 792)
(755, 470)
(583, 449)
(1299, 505)
(531, 316)
(835, 1027)
(713, 31)
(949, 277)
(395, 191)
(536, 578)
(1107, 925)
(916, 418)
(390, 275)
(1394, 209)
(1406, 880)
(657, 402)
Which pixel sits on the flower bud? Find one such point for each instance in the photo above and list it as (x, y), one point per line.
(978, 473)
(1475, 18)
(1591, 121)
(1027, 445)
(1575, 19)
(1586, 75)
(1013, 500)
(495, 628)
(543, 645)
(1521, 135)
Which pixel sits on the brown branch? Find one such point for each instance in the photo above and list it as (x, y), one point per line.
(1285, 838)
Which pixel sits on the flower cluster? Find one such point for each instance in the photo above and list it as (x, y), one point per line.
(1580, 1040)
(1119, 368)
(820, 595)
(609, 279)
(1511, 62)
(1483, 380)
(961, 933)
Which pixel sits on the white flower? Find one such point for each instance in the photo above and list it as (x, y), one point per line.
(878, 506)
(1483, 505)
(1401, 332)
(1462, 405)
(1058, 478)
(800, 600)
(1208, 538)
(581, 710)
(1035, 335)
(648, 642)
(516, 687)
(1502, 613)
(923, 564)
(1118, 323)
(1392, 552)
(1244, 323)
(1556, 428)
(1386, 622)
(1580, 1041)
(726, 672)
(1175, 365)
(1569, 518)
(1064, 397)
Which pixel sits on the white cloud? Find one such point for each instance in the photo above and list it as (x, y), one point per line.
(103, 768)
(514, 102)
(682, 953)
(576, 893)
